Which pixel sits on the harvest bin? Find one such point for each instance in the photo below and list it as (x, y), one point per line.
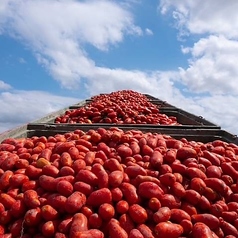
(178, 132)
(194, 128)
(183, 117)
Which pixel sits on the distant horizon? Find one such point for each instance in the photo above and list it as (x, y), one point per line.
(56, 53)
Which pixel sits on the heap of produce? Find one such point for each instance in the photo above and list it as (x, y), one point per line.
(117, 184)
(121, 107)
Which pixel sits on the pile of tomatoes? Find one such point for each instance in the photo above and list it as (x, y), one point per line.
(117, 184)
(121, 107)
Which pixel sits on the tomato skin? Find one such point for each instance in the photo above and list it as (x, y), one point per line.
(228, 228)
(229, 216)
(135, 233)
(126, 222)
(16, 227)
(193, 172)
(50, 170)
(201, 230)
(149, 190)
(213, 172)
(122, 206)
(63, 147)
(162, 215)
(210, 220)
(118, 183)
(5, 179)
(100, 196)
(228, 169)
(156, 159)
(64, 188)
(212, 157)
(154, 204)
(65, 225)
(204, 204)
(134, 170)
(167, 179)
(79, 224)
(138, 213)
(87, 177)
(112, 165)
(204, 161)
(33, 217)
(115, 230)
(192, 196)
(9, 162)
(217, 185)
(167, 229)
(95, 221)
(115, 178)
(129, 192)
(198, 185)
(169, 200)
(17, 180)
(57, 201)
(74, 202)
(49, 213)
(185, 152)
(48, 183)
(18, 209)
(189, 208)
(117, 194)
(49, 228)
(170, 156)
(6, 200)
(178, 168)
(178, 214)
(124, 151)
(177, 189)
(187, 226)
(106, 211)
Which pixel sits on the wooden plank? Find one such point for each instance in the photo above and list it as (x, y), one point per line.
(178, 131)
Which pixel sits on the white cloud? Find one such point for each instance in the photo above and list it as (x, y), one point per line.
(212, 73)
(149, 32)
(20, 107)
(22, 60)
(27, 106)
(57, 32)
(107, 80)
(199, 17)
(4, 86)
(213, 67)
(218, 109)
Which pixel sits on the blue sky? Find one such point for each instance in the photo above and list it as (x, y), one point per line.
(56, 53)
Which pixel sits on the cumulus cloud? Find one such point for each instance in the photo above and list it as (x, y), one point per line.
(4, 86)
(213, 66)
(57, 32)
(212, 75)
(20, 107)
(199, 17)
(144, 82)
(148, 32)
(22, 60)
